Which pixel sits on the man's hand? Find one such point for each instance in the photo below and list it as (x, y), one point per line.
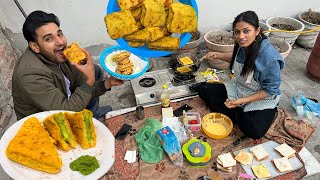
(87, 69)
(112, 82)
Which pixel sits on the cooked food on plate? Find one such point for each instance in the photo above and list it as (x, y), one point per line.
(285, 150)
(156, 32)
(152, 14)
(124, 65)
(182, 18)
(168, 43)
(58, 127)
(33, 147)
(261, 171)
(74, 53)
(120, 24)
(282, 164)
(136, 13)
(83, 128)
(259, 153)
(244, 158)
(119, 57)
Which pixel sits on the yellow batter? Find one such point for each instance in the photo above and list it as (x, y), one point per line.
(216, 128)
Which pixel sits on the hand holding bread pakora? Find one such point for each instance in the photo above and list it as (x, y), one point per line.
(32, 146)
(75, 54)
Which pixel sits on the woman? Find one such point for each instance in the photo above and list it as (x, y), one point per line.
(253, 95)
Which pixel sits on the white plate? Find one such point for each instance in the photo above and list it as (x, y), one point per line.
(103, 151)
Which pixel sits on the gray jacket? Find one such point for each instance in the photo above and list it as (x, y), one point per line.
(38, 85)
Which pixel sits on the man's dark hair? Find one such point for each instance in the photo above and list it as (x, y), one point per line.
(252, 51)
(35, 20)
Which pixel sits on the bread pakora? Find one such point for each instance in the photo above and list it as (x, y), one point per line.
(136, 13)
(168, 43)
(182, 18)
(59, 128)
(32, 147)
(120, 24)
(139, 36)
(128, 4)
(153, 14)
(74, 53)
(135, 44)
(83, 128)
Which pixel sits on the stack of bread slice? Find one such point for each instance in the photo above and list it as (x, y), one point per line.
(226, 162)
(259, 152)
(285, 150)
(283, 164)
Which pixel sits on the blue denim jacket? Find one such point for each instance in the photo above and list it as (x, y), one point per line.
(267, 68)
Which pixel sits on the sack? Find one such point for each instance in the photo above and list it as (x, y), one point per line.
(150, 148)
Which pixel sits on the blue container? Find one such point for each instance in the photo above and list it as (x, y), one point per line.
(111, 49)
(144, 51)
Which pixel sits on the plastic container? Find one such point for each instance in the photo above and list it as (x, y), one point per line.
(165, 97)
(213, 119)
(111, 49)
(193, 121)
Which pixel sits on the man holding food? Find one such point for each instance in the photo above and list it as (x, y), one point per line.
(51, 76)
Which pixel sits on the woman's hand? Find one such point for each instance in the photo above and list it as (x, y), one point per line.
(87, 69)
(233, 103)
(112, 82)
(218, 55)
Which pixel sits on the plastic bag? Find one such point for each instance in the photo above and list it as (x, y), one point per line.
(150, 148)
(305, 107)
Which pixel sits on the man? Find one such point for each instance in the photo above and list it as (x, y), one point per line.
(44, 80)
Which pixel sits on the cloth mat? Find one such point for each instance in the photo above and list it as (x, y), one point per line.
(293, 132)
(165, 169)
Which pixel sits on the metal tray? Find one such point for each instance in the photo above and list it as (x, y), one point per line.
(273, 154)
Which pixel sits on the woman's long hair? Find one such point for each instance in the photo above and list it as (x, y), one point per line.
(253, 49)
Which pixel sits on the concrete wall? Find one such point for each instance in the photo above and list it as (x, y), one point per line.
(82, 20)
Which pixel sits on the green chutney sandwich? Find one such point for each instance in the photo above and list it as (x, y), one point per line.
(59, 129)
(83, 128)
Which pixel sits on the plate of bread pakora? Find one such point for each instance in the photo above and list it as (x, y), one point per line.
(151, 28)
(123, 64)
(43, 145)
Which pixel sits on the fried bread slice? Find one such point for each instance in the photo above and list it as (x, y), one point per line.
(59, 128)
(120, 24)
(282, 164)
(74, 53)
(33, 147)
(168, 43)
(153, 14)
(83, 128)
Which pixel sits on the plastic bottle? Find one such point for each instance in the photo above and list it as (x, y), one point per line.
(165, 97)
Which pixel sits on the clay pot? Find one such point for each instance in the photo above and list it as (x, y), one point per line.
(289, 37)
(213, 47)
(313, 65)
(307, 40)
(264, 27)
(283, 45)
(191, 47)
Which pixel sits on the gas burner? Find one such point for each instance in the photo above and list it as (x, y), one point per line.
(180, 78)
(147, 82)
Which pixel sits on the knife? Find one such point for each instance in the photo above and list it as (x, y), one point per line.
(227, 149)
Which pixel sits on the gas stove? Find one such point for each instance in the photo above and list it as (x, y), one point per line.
(148, 87)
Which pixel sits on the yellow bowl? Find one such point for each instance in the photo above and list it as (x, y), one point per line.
(216, 125)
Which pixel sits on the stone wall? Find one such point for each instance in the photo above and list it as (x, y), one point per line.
(7, 61)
